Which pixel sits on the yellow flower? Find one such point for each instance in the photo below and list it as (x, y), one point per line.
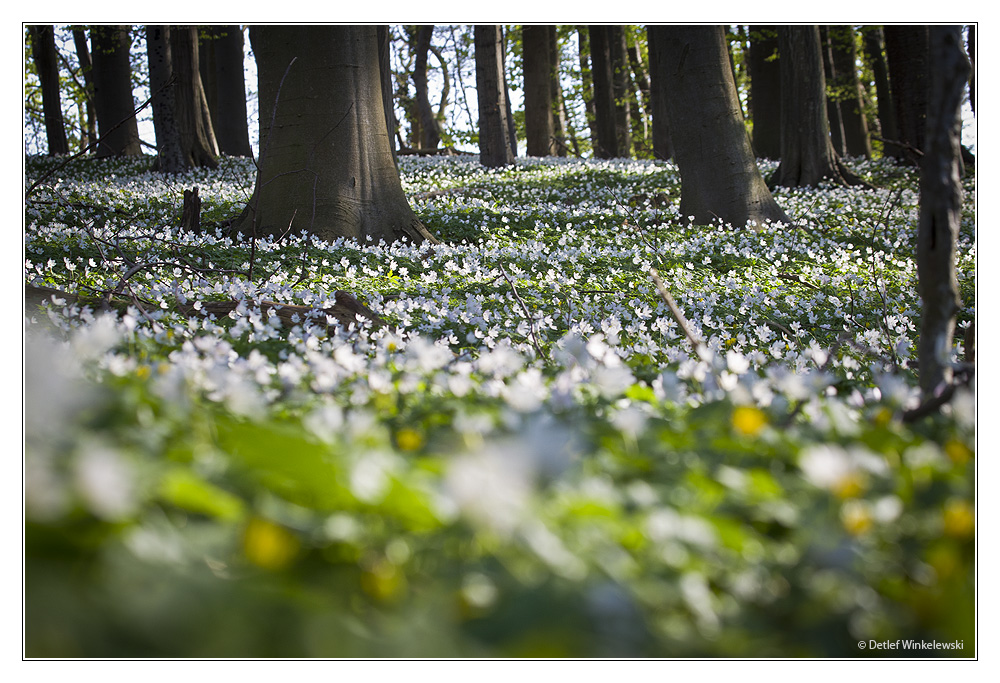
(856, 517)
(409, 439)
(959, 519)
(269, 545)
(748, 421)
(957, 451)
(851, 485)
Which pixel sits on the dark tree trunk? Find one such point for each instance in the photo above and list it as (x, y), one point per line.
(940, 207)
(765, 91)
(229, 119)
(848, 91)
(509, 111)
(385, 76)
(170, 158)
(873, 46)
(326, 164)
(539, 124)
(494, 141)
(641, 95)
(663, 148)
(807, 154)
(621, 88)
(89, 135)
(430, 133)
(972, 70)
(832, 102)
(719, 175)
(602, 71)
(194, 120)
(559, 122)
(113, 91)
(906, 49)
(43, 51)
(587, 86)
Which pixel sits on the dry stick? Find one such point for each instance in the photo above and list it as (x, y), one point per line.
(527, 314)
(678, 315)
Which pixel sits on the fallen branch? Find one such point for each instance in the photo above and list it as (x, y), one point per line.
(696, 343)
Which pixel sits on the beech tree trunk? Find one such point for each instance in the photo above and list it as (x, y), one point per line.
(719, 175)
(764, 67)
(170, 158)
(430, 133)
(587, 85)
(602, 71)
(621, 89)
(88, 134)
(113, 91)
(832, 102)
(940, 207)
(326, 164)
(539, 123)
(807, 154)
(847, 89)
(229, 115)
(43, 51)
(873, 46)
(194, 120)
(641, 97)
(385, 76)
(560, 125)
(663, 148)
(494, 133)
(906, 49)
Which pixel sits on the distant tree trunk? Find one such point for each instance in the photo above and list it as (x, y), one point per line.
(89, 133)
(560, 124)
(873, 46)
(229, 119)
(325, 163)
(170, 158)
(764, 67)
(509, 111)
(663, 148)
(621, 88)
(385, 76)
(587, 86)
(848, 91)
(43, 51)
(602, 71)
(719, 175)
(832, 102)
(940, 207)
(906, 49)
(807, 154)
(539, 124)
(641, 88)
(194, 121)
(430, 134)
(494, 140)
(113, 91)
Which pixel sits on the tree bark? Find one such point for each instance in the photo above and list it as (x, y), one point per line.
(602, 72)
(560, 125)
(832, 102)
(663, 148)
(43, 51)
(430, 133)
(764, 67)
(170, 158)
(621, 88)
(719, 175)
(940, 207)
(229, 119)
(508, 109)
(385, 76)
(539, 124)
(873, 46)
(972, 71)
(641, 96)
(326, 164)
(494, 134)
(88, 134)
(807, 154)
(906, 49)
(847, 90)
(587, 85)
(113, 91)
(194, 120)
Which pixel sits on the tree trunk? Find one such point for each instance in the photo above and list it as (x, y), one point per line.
(88, 135)
(602, 71)
(940, 207)
(640, 83)
(326, 164)
(170, 158)
(663, 148)
(587, 86)
(972, 71)
(43, 51)
(560, 125)
(385, 76)
(719, 175)
(906, 49)
(539, 124)
(229, 120)
(113, 91)
(847, 89)
(194, 121)
(494, 139)
(873, 45)
(807, 154)
(430, 134)
(832, 102)
(621, 88)
(764, 67)
(508, 110)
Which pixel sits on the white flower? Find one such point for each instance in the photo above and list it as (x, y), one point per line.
(105, 481)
